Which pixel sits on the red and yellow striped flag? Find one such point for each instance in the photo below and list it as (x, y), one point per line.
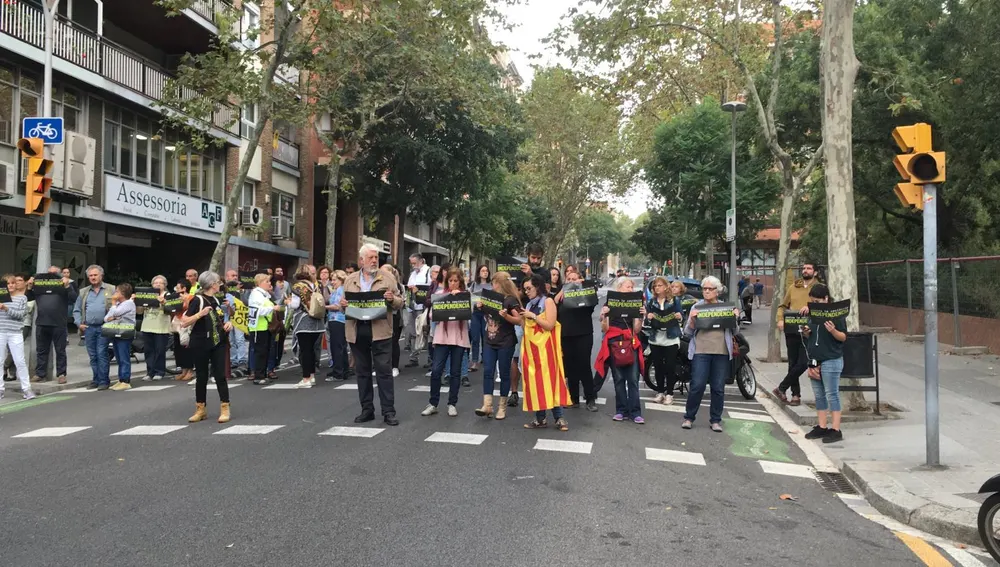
(542, 369)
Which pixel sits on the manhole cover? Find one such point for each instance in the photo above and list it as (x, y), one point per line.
(835, 482)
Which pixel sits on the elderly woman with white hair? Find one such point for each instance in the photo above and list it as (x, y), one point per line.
(156, 333)
(209, 339)
(711, 353)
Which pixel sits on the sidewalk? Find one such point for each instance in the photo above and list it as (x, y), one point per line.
(884, 458)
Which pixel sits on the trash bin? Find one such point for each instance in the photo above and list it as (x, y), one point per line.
(859, 355)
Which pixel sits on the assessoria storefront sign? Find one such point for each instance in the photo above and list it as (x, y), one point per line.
(135, 199)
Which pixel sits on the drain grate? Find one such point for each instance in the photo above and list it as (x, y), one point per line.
(835, 482)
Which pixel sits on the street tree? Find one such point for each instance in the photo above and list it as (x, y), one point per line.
(600, 233)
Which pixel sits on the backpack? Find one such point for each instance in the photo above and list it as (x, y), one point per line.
(310, 300)
(622, 351)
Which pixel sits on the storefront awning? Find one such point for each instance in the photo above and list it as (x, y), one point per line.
(433, 247)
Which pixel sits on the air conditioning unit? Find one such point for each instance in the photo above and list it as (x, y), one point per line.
(8, 180)
(251, 216)
(77, 171)
(281, 228)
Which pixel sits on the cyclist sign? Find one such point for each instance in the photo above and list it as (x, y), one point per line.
(49, 130)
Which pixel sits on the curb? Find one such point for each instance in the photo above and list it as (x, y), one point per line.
(806, 416)
(890, 498)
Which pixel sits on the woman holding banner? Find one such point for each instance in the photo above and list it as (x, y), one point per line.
(664, 313)
(308, 321)
(451, 341)
(710, 351)
(500, 341)
(477, 327)
(577, 338)
(122, 312)
(541, 358)
(621, 351)
(156, 333)
(825, 346)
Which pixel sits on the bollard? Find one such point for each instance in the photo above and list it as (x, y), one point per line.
(909, 301)
(954, 300)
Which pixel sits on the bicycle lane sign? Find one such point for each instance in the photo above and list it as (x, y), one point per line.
(50, 130)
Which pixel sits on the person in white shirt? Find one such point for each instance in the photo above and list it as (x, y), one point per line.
(420, 274)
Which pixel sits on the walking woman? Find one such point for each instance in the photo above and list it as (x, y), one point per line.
(477, 327)
(711, 353)
(308, 325)
(541, 358)
(261, 312)
(122, 312)
(577, 334)
(209, 339)
(182, 354)
(664, 342)
(156, 333)
(622, 352)
(397, 320)
(12, 313)
(451, 341)
(499, 343)
(825, 347)
(337, 326)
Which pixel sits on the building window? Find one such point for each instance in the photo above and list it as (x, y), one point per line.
(170, 161)
(8, 87)
(250, 25)
(110, 146)
(142, 150)
(248, 120)
(284, 206)
(20, 97)
(68, 103)
(249, 196)
(156, 160)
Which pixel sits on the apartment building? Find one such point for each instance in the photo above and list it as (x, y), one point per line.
(126, 195)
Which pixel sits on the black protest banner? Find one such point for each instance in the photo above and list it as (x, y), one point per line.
(624, 305)
(172, 303)
(492, 302)
(366, 305)
(48, 284)
(247, 280)
(665, 318)
(687, 302)
(715, 316)
(451, 306)
(118, 330)
(793, 321)
(579, 295)
(4, 293)
(512, 266)
(233, 287)
(421, 295)
(820, 312)
(147, 297)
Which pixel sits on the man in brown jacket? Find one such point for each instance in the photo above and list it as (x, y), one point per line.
(795, 300)
(371, 341)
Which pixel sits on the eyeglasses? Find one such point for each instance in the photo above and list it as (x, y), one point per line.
(708, 289)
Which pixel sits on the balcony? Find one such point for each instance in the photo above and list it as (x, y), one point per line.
(286, 152)
(99, 55)
(209, 9)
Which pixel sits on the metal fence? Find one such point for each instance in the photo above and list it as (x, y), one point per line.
(966, 286)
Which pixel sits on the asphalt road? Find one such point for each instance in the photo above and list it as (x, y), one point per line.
(487, 492)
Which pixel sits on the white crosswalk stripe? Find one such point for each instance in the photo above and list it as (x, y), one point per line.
(249, 430)
(671, 456)
(342, 431)
(76, 391)
(150, 388)
(787, 469)
(281, 387)
(582, 447)
(660, 407)
(461, 438)
(750, 416)
(150, 430)
(51, 432)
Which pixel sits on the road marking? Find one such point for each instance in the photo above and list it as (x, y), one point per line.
(461, 438)
(341, 431)
(750, 417)
(37, 401)
(249, 430)
(281, 387)
(787, 469)
(150, 430)
(964, 558)
(930, 556)
(816, 456)
(661, 407)
(150, 388)
(753, 439)
(51, 432)
(427, 389)
(666, 455)
(582, 447)
(83, 390)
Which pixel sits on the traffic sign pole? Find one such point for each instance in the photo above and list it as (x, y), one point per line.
(43, 258)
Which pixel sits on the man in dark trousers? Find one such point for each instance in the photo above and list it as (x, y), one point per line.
(51, 326)
(795, 300)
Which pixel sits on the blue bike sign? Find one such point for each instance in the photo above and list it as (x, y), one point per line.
(50, 130)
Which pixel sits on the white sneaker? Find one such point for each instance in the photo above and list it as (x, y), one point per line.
(29, 395)
(304, 383)
(395, 373)
(373, 374)
(312, 381)
(658, 398)
(668, 399)
(429, 410)
(428, 375)
(452, 411)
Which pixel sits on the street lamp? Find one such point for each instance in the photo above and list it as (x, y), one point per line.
(733, 107)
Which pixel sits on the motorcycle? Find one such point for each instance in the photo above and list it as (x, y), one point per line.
(989, 517)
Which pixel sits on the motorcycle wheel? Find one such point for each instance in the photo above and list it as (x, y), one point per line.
(747, 381)
(989, 525)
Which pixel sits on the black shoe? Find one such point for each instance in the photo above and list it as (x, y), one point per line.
(365, 417)
(173, 371)
(591, 406)
(262, 381)
(92, 386)
(833, 436)
(574, 405)
(330, 374)
(513, 400)
(465, 382)
(391, 420)
(411, 364)
(817, 432)
(103, 387)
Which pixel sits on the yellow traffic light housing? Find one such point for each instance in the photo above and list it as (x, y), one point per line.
(31, 147)
(37, 185)
(913, 139)
(919, 165)
(910, 195)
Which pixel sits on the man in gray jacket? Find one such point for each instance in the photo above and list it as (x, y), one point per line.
(50, 327)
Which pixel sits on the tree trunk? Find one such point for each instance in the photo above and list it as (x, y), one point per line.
(332, 194)
(838, 71)
(780, 272)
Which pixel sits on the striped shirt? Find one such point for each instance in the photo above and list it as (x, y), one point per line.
(12, 318)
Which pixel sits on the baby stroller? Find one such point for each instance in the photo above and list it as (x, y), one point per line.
(742, 368)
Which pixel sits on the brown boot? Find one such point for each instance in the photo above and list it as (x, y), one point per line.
(199, 413)
(224, 413)
(502, 408)
(487, 409)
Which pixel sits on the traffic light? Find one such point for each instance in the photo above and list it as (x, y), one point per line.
(919, 164)
(37, 180)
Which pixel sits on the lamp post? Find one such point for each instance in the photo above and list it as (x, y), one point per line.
(733, 107)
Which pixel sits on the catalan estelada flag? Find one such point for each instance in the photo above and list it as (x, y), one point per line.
(542, 369)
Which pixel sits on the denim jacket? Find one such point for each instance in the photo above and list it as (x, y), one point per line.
(672, 332)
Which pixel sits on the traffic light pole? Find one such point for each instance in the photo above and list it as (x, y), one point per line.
(932, 425)
(43, 257)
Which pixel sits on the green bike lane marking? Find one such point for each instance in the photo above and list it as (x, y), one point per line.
(25, 404)
(753, 439)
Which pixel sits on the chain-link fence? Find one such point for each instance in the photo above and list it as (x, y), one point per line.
(966, 286)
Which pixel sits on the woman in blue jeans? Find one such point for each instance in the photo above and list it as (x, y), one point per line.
(711, 354)
(499, 344)
(123, 312)
(626, 378)
(824, 342)
(156, 333)
(477, 326)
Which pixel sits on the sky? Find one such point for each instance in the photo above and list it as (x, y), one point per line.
(533, 20)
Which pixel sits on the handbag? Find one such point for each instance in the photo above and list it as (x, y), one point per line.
(185, 332)
(622, 351)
